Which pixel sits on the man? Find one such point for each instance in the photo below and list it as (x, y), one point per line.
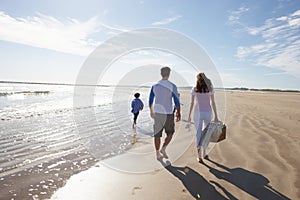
(162, 112)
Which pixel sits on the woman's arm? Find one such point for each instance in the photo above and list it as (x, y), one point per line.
(191, 108)
(213, 104)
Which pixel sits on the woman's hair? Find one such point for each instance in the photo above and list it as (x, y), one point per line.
(203, 84)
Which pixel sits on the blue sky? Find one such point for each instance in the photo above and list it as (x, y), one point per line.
(254, 43)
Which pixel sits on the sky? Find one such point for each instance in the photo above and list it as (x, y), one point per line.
(253, 43)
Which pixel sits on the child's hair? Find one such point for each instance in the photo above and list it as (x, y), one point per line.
(137, 95)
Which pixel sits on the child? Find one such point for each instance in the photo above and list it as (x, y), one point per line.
(136, 105)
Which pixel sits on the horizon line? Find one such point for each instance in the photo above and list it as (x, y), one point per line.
(74, 84)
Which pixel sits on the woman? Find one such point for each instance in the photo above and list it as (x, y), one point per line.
(203, 111)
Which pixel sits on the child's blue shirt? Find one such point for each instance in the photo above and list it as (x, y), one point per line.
(136, 105)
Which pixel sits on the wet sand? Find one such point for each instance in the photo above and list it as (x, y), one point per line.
(41, 180)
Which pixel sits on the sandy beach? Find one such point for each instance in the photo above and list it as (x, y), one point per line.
(258, 160)
(85, 87)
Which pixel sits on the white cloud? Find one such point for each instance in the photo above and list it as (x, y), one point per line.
(166, 21)
(69, 35)
(275, 74)
(235, 68)
(234, 16)
(280, 48)
(284, 18)
(294, 22)
(255, 49)
(296, 13)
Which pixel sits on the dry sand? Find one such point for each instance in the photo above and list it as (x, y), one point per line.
(258, 160)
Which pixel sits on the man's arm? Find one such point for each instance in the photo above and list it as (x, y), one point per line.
(151, 100)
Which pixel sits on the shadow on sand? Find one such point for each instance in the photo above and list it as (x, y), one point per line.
(196, 184)
(252, 183)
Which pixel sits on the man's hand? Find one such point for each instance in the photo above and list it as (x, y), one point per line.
(152, 114)
(178, 116)
(151, 111)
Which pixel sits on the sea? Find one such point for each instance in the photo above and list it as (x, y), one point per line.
(50, 132)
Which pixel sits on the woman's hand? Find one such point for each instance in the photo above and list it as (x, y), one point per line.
(216, 119)
(189, 119)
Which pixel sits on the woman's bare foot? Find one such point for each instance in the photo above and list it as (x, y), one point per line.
(200, 160)
(158, 156)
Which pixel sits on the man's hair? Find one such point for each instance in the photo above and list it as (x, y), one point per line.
(165, 71)
(137, 95)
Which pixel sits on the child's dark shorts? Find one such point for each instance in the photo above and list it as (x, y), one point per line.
(135, 115)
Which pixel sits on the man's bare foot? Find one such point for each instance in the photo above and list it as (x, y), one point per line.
(163, 152)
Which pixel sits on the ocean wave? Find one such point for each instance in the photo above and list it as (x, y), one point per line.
(25, 93)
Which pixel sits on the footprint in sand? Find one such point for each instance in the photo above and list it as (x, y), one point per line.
(135, 188)
(155, 172)
(184, 194)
